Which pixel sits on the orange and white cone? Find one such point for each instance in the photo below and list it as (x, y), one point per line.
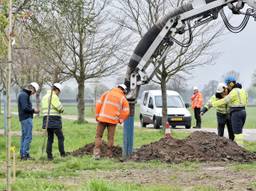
(167, 130)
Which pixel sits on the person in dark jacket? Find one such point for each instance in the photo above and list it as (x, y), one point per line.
(53, 113)
(26, 112)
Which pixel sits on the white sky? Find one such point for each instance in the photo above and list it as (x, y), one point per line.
(237, 54)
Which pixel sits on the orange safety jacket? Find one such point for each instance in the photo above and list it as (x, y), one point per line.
(197, 100)
(112, 107)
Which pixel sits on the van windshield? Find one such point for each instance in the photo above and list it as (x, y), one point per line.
(172, 101)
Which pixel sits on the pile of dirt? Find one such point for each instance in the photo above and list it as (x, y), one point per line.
(88, 150)
(199, 146)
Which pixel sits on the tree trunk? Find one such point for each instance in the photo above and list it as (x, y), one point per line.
(0, 102)
(164, 101)
(80, 101)
(38, 101)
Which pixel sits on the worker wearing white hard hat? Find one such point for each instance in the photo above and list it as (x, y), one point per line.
(53, 112)
(35, 86)
(123, 87)
(58, 86)
(195, 88)
(237, 100)
(222, 112)
(112, 108)
(26, 112)
(197, 102)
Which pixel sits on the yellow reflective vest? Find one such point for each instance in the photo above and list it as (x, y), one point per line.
(56, 107)
(220, 109)
(236, 98)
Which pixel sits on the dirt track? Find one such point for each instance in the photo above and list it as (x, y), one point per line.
(218, 175)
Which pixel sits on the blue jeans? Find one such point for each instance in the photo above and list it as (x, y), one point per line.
(26, 136)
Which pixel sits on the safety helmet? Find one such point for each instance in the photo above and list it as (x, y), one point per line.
(58, 86)
(230, 79)
(35, 86)
(195, 88)
(123, 86)
(220, 88)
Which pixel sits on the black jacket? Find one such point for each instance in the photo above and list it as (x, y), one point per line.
(24, 105)
(54, 122)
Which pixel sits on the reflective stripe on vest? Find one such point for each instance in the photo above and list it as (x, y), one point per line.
(126, 108)
(107, 116)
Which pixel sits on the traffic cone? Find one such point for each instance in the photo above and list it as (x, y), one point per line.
(167, 130)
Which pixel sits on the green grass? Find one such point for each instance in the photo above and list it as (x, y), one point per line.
(43, 175)
(208, 120)
(76, 135)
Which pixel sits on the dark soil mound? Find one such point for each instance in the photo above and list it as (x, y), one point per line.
(199, 146)
(88, 150)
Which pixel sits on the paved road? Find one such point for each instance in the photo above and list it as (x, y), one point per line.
(250, 134)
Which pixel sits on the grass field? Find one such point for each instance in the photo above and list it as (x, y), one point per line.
(86, 174)
(208, 120)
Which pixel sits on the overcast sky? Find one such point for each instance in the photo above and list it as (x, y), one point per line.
(238, 53)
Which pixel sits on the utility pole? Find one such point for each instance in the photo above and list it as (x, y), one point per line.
(8, 130)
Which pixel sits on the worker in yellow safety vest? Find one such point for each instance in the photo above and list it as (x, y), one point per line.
(54, 125)
(222, 111)
(237, 100)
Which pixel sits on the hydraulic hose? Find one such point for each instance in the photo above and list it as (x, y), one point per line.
(149, 38)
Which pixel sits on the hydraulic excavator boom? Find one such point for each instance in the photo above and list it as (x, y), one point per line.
(154, 45)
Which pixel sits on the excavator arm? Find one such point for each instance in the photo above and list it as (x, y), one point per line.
(153, 47)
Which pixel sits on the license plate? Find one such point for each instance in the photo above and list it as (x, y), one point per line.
(176, 119)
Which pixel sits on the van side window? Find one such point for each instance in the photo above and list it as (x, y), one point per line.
(145, 98)
(150, 103)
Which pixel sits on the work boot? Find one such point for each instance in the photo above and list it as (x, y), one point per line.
(96, 153)
(23, 158)
(96, 157)
(49, 157)
(109, 153)
(29, 157)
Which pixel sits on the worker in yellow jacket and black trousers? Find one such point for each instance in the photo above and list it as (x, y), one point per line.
(112, 108)
(237, 100)
(222, 111)
(54, 120)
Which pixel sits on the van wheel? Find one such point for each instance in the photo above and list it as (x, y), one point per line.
(188, 126)
(156, 123)
(142, 123)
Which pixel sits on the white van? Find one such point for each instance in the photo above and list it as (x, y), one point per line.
(151, 109)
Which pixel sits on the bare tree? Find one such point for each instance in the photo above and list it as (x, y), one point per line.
(210, 89)
(141, 15)
(88, 44)
(254, 79)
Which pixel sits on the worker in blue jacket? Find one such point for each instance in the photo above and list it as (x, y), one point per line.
(26, 112)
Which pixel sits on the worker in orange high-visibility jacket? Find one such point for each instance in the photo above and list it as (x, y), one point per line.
(197, 103)
(111, 109)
